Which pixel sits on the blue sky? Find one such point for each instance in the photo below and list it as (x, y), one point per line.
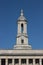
(9, 13)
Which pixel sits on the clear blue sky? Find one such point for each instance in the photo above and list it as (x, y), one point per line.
(9, 13)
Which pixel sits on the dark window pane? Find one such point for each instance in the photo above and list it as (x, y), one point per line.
(36, 61)
(2, 61)
(30, 61)
(42, 61)
(22, 28)
(22, 41)
(9, 61)
(23, 61)
(16, 61)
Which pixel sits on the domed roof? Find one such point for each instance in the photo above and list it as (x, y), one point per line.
(22, 16)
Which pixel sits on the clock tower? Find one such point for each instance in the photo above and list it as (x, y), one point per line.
(22, 37)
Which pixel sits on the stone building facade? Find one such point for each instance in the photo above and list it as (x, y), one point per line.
(22, 53)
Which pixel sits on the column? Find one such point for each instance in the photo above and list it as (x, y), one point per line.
(27, 62)
(33, 61)
(40, 61)
(25, 28)
(19, 61)
(6, 62)
(0, 61)
(13, 61)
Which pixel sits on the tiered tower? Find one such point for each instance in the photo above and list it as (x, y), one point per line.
(22, 37)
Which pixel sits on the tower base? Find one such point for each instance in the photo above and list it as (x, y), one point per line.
(22, 47)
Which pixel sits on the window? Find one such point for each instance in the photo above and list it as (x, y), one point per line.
(22, 41)
(2, 61)
(21, 28)
(9, 61)
(36, 61)
(30, 61)
(16, 61)
(42, 61)
(23, 61)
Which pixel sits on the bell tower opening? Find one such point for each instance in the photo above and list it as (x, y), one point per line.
(22, 41)
(22, 28)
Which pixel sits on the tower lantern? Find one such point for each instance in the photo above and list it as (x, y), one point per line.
(22, 37)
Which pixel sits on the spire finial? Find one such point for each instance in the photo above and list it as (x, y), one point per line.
(21, 12)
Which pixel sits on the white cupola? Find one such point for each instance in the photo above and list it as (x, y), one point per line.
(22, 37)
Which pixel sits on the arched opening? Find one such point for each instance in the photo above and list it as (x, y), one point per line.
(22, 41)
(21, 28)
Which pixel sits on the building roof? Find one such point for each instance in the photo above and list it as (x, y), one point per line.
(21, 52)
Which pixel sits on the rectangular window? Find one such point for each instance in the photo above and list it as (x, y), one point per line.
(2, 61)
(9, 61)
(37, 61)
(42, 61)
(16, 61)
(23, 61)
(30, 61)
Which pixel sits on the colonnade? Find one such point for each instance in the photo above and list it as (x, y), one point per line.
(27, 62)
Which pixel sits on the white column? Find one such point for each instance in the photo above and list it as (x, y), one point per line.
(0, 61)
(6, 62)
(12, 61)
(18, 28)
(19, 61)
(33, 61)
(40, 61)
(27, 62)
(25, 28)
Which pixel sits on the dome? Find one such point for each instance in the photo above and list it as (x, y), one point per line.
(22, 16)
